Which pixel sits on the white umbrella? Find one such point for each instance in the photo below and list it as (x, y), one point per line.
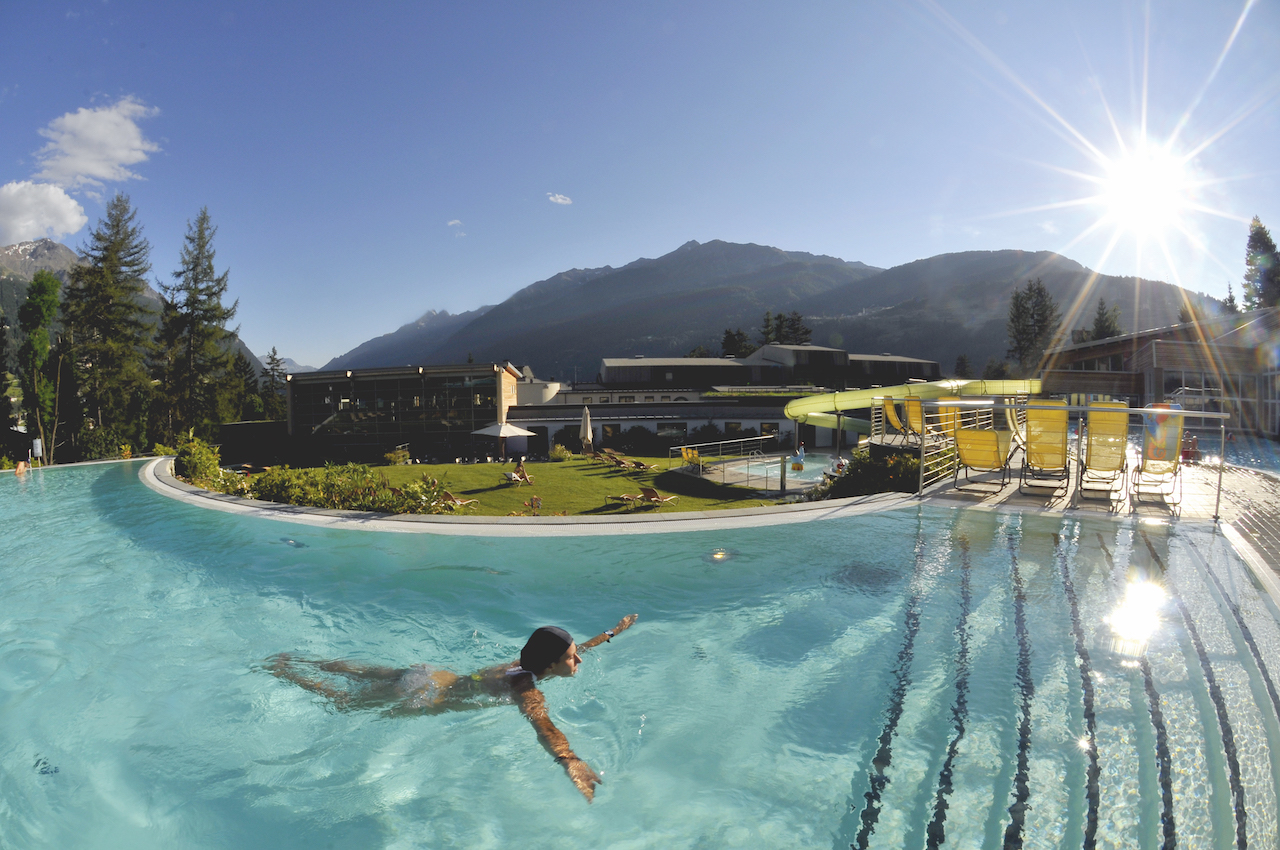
(502, 430)
(584, 432)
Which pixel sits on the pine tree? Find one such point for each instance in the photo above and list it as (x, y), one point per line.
(195, 322)
(107, 334)
(795, 332)
(699, 351)
(1106, 322)
(768, 331)
(736, 343)
(1230, 307)
(246, 400)
(273, 386)
(39, 397)
(6, 407)
(1262, 268)
(963, 369)
(1033, 321)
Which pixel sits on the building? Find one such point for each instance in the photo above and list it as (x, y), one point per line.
(362, 414)
(1225, 364)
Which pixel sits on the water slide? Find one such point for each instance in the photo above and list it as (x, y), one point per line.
(820, 410)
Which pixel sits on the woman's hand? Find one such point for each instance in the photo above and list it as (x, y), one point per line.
(582, 775)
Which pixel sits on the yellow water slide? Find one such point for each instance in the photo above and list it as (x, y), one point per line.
(820, 410)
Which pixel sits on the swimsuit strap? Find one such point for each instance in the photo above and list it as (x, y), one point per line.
(517, 670)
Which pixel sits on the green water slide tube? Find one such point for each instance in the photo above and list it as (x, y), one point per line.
(820, 410)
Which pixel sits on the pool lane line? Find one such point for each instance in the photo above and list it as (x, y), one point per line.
(1244, 631)
(1219, 704)
(879, 778)
(1086, 686)
(1027, 689)
(1164, 761)
(936, 831)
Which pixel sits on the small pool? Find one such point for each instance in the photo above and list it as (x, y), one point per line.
(918, 678)
(764, 472)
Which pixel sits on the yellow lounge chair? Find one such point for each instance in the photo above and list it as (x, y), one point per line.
(983, 451)
(692, 458)
(891, 416)
(1160, 473)
(948, 417)
(915, 416)
(1045, 457)
(653, 497)
(1105, 457)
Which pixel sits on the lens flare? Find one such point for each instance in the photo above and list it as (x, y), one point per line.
(1137, 618)
(1146, 192)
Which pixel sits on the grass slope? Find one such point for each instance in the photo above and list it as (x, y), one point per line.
(577, 486)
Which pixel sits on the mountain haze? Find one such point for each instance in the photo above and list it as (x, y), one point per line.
(935, 308)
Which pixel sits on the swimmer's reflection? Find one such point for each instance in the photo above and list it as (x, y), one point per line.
(423, 689)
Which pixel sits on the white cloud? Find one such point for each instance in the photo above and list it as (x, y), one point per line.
(557, 198)
(1049, 227)
(36, 210)
(454, 223)
(90, 146)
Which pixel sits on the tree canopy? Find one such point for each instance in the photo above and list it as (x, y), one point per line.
(35, 317)
(1262, 268)
(1033, 321)
(1106, 321)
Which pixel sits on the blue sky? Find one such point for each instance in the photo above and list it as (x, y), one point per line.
(368, 162)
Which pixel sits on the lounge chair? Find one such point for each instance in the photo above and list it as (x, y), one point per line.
(626, 499)
(915, 416)
(1045, 457)
(619, 462)
(1104, 462)
(653, 497)
(512, 478)
(639, 464)
(948, 417)
(983, 450)
(1160, 473)
(454, 502)
(691, 457)
(891, 417)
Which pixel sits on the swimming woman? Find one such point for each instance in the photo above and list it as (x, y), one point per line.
(423, 689)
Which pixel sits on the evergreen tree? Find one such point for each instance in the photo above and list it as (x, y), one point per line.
(1262, 268)
(794, 330)
(1106, 322)
(996, 370)
(246, 400)
(1033, 322)
(273, 386)
(6, 407)
(768, 331)
(963, 369)
(1187, 314)
(104, 320)
(38, 392)
(700, 351)
(736, 343)
(1230, 307)
(194, 321)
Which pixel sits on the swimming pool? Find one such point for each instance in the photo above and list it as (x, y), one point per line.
(917, 678)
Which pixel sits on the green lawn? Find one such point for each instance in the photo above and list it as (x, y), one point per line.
(577, 486)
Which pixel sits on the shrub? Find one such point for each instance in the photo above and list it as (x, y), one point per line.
(865, 475)
(350, 487)
(126, 451)
(161, 450)
(399, 457)
(559, 453)
(5, 463)
(197, 462)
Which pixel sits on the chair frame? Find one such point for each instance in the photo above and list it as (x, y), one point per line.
(1005, 470)
(1031, 474)
(1166, 485)
(1085, 473)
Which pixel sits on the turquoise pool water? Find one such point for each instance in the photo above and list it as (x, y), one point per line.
(918, 678)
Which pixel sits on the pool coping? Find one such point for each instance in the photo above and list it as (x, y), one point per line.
(157, 474)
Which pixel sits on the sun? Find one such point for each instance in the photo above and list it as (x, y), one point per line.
(1146, 191)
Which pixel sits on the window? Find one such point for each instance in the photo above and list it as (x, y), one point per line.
(768, 429)
(673, 430)
(586, 399)
(610, 432)
(665, 398)
(626, 399)
(648, 398)
(732, 429)
(670, 376)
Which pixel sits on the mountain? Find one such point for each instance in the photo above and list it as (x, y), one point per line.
(292, 366)
(412, 344)
(664, 306)
(935, 308)
(26, 258)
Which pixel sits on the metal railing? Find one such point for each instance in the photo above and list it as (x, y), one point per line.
(719, 449)
(939, 458)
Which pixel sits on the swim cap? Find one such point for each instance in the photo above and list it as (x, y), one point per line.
(544, 648)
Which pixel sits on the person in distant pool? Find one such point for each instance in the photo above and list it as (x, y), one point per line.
(423, 689)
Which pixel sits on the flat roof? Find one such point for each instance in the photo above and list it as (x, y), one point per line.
(670, 361)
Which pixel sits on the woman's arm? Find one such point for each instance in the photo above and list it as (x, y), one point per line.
(534, 706)
(609, 634)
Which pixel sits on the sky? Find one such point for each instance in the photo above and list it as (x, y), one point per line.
(366, 163)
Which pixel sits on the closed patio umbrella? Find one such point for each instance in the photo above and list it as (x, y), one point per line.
(584, 432)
